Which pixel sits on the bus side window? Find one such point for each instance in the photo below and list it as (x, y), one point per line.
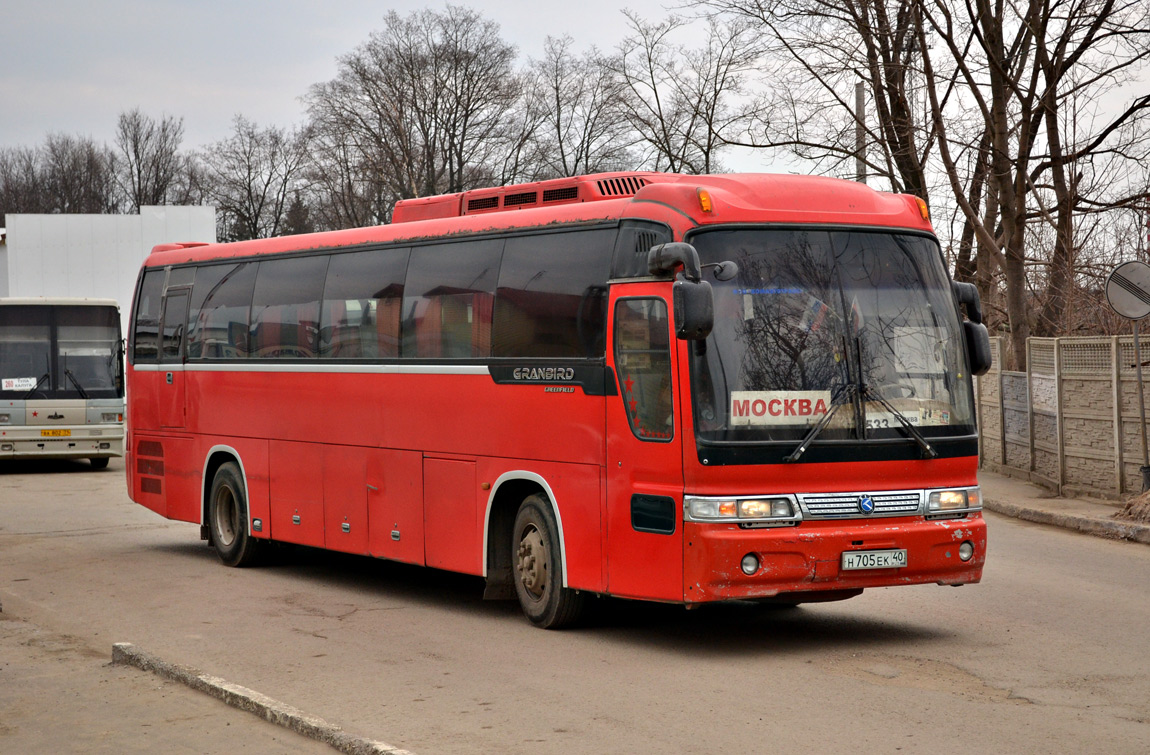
(285, 308)
(359, 318)
(218, 315)
(643, 361)
(146, 327)
(552, 296)
(175, 317)
(449, 298)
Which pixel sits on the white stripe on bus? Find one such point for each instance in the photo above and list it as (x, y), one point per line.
(396, 369)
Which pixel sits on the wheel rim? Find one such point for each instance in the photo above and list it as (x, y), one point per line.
(533, 562)
(226, 516)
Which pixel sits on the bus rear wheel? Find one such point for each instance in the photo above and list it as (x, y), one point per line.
(228, 518)
(539, 569)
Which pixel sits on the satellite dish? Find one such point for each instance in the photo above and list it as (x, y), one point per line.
(1128, 290)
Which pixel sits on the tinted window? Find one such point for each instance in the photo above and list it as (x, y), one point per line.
(147, 323)
(362, 303)
(175, 319)
(88, 342)
(643, 361)
(25, 351)
(218, 316)
(448, 301)
(552, 296)
(636, 238)
(285, 308)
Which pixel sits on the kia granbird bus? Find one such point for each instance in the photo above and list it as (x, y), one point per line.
(664, 387)
(61, 379)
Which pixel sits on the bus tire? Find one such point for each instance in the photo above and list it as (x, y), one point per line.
(538, 574)
(99, 462)
(228, 518)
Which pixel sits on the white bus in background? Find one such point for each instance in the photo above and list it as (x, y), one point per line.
(61, 379)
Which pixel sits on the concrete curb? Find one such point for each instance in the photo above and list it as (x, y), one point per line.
(1114, 529)
(125, 653)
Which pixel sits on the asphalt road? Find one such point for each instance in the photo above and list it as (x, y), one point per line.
(1049, 654)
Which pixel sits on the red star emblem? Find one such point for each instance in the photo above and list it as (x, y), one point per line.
(634, 407)
(35, 414)
(629, 383)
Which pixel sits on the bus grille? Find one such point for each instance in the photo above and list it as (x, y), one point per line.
(847, 505)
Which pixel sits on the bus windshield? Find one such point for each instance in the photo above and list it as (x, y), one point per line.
(59, 352)
(857, 324)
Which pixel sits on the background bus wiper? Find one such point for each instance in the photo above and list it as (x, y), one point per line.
(36, 387)
(846, 393)
(79, 388)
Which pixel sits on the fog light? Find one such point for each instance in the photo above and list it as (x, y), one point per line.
(750, 564)
(966, 551)
(105, 446)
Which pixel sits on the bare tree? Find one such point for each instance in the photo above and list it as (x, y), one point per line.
(252, 176)
(21, 189)
(150, 162)
(418, 109)
(67, 174)
(585, 128)
(686, 104)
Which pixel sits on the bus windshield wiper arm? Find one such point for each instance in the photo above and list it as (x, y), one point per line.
(83, 393)
(927, 449)
(846, 392)
(36, 387)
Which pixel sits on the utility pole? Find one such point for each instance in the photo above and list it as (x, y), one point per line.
(860, 133)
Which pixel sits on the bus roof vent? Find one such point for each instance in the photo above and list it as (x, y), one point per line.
(482, 203)
(565, 194)
(520, 199)
(623, 186)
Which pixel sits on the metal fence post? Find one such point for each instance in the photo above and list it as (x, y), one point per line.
(1059, 422)
(1030, 409)
(1116, 399)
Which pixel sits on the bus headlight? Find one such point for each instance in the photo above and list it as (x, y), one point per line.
(111, 417)
(5, 418)
(764, 511)
(949, 501)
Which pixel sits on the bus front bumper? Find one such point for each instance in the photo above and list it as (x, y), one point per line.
(81, 442)
(807, 559)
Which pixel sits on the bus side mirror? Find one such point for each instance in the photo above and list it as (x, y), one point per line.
(967, 293)
(977, 347)
(694, 306)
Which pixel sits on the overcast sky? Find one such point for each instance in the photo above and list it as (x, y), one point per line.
(72, 66)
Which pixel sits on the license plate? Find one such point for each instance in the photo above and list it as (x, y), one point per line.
(891, 559)
(55, 433)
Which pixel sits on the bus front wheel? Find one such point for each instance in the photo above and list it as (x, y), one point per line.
(228, 518)
(99, 462)
(539, 569)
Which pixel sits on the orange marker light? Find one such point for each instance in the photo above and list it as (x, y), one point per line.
(704, 200)
(922, 208)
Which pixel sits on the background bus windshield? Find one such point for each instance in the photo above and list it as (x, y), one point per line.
(815, 315)
(59, 352)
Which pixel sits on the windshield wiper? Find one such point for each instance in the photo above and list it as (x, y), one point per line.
(75, 382)
(32, 392)
(927, 449)
(846, 392)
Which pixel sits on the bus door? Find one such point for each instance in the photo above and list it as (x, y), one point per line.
(171, 394)
(644, 448)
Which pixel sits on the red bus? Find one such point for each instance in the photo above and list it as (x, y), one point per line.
(664, 387)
